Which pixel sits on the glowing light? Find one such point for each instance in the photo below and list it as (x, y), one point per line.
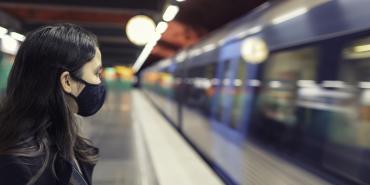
(362, 48)
(181, 57)
(275, 84)
(289, 15)
(124, 73)
(254, 50)
(144, 54)
(17, 36)
(140, 29)
(110, 73)
(195, 52)
(250, 31)
(254, 83)
(165, 63)
(209, 47)
(255, 29)
(238, 82)
(3, 31)
(202, 83)
(156, 37)
(146, 51)
(221, 42)
(161, 27)
(364, 85)
(333, 84)
(170, 13)
(306, 83)
(9, 45)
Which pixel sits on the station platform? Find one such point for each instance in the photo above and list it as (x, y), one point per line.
(139, 147)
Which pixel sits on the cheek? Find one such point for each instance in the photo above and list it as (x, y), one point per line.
(94, 79)
(80, 88)
(77, 88)
(90, 76)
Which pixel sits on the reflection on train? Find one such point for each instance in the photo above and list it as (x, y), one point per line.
(293, 76)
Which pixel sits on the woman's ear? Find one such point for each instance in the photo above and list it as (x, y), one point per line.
(65, 80)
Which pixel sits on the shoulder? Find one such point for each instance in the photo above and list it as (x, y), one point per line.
(13, 170)
(19, 170)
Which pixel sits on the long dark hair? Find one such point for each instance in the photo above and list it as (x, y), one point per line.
(34, 114)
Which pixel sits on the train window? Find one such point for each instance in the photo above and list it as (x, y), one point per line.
(356, 62)
(283, 71)
(354, 127)
(223, 96)
(290, 66)
(345, 111)
(199, 87)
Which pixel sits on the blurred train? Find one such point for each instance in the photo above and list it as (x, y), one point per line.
(291, 76)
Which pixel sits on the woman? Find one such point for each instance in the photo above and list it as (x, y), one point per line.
(56, 73)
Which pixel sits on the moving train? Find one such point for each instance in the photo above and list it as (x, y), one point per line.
(291, 76)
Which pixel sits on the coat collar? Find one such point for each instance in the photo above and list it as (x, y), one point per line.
(63, 169)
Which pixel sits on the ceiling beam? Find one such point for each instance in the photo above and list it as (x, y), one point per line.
(45, 14)
(149, 6)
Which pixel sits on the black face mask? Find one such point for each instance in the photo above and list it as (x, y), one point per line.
(91, 99)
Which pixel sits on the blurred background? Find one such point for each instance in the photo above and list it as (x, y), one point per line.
(218, 91)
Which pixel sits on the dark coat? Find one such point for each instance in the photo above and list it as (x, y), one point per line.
(18, 170)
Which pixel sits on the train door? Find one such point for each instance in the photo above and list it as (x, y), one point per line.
(237, 94)
(220, 82)
(227, 92)
(245, 85)
(227, 78)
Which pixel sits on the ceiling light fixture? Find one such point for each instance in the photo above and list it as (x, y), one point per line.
(161, 27)
(170, 13)
(140, 29)
(290, 15)
(17, 36)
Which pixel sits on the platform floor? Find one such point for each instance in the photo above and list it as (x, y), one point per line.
(121, 153)
(141, 151)
(138, 147)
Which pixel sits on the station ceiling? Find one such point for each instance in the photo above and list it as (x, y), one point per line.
(107, 19)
